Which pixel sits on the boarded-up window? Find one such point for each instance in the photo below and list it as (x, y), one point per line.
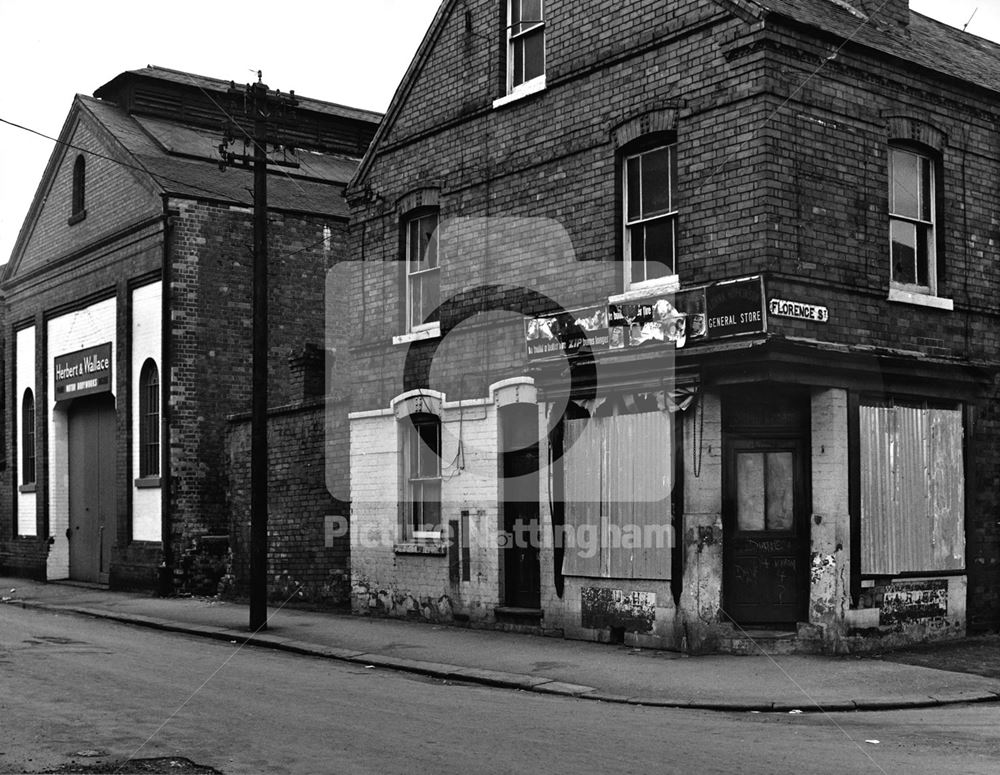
(618, 478)
(912, 489)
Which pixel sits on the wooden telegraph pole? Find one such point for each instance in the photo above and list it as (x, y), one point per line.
(260, 106)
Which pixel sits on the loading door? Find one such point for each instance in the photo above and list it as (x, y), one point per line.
(91, 487)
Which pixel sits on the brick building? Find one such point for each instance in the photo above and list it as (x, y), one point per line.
(677, 325)
(128, 327)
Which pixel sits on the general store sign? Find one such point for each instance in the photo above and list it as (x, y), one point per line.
(798, 310)
(735, 307)
(83, 373)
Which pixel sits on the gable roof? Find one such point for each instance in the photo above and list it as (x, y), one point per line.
(924, 42)
(176, 153)
(405, 86)
(217, 85)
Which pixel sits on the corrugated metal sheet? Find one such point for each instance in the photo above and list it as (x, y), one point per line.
(912, 490)
(618, 475)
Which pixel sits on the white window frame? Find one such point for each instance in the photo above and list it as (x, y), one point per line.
(924, 229)
(515, 39)
(414, 485)
(416, 276)
(668, 281)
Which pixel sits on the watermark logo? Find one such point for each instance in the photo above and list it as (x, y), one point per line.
(427, 431)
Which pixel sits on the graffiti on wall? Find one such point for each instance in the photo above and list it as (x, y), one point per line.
(906, 601)
(601, 608)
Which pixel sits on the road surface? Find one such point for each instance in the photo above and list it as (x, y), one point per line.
(70, 684)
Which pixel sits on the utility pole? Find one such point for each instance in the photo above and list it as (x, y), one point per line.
(261, 105)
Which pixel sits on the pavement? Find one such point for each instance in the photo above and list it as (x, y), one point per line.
(591, 671)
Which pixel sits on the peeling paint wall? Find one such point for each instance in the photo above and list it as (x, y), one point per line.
(830, 521)
(701, 595)
(896, 612)
(641, 613)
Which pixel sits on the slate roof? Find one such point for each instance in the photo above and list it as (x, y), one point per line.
(217, 84)
(183, 160)
(924, 41)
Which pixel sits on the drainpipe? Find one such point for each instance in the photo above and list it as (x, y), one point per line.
(166, 579)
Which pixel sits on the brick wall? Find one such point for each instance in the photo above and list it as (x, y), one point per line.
(308, 547)
(63, 266)
(211, 374)
(781, 171)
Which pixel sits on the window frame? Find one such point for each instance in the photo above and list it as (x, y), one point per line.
(629, 225)
(926, 231)
(409, 275)
(29, 469)
(517, 39)
(149, 420)
(413, 527)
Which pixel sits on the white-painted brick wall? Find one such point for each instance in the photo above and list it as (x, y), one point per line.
(830, 525)
(76, 330)
(147, 316)
(24, 368)
(469, 483)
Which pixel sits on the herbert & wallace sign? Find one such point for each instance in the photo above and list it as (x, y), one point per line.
(83, 373)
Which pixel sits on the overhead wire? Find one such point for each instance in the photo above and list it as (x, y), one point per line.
(227, 196)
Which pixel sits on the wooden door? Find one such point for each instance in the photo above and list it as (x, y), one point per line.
(92, 512)
(519, 485)
(765, 580)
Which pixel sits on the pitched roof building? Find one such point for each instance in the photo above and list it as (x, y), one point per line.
(128, 329)
(677, 322)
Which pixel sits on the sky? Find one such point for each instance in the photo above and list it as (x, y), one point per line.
(344, 51)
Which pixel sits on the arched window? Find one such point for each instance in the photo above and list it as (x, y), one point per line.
(149, 419)
(422, 476)
(79, 187)
(28, 437)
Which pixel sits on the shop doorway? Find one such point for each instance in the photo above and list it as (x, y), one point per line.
(92, 507)
(765, 511)
(519, 496)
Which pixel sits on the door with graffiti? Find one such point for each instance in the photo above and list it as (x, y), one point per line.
(766, 534)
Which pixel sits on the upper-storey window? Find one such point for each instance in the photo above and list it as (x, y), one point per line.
(650, 217)
(79, 203)
(525, 45)
(423, 271)
(912, 221)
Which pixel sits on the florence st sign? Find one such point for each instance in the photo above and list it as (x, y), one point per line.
(83, 373)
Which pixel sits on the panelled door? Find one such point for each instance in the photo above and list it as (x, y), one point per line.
(765, 580)
(92, 508)
(519, 487)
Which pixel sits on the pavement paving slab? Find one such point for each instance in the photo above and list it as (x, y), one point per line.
(556, 666)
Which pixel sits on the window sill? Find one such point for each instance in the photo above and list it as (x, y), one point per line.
(147, 482)
(76, 217)
(525, 89)
(920, 299)
(659, 287)
(432, 332)
(27, 488)
(436, 548)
